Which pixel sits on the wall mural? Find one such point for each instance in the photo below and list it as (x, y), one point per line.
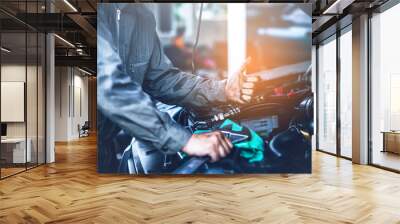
(204, 88)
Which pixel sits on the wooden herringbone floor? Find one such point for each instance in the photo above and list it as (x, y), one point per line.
(70, 191)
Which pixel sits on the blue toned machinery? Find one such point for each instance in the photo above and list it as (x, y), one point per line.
(281, 117)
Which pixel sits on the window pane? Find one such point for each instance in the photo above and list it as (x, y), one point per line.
(41, 98)
(385, 89)
(346, 94)
(327, 97)
(14, 153)
(31, 97)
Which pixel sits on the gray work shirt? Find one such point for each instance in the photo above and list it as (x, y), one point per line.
(133, 71)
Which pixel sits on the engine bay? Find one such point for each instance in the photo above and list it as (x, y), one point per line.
(282, 116)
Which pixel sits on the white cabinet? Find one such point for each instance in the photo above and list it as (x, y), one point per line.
(16, 147)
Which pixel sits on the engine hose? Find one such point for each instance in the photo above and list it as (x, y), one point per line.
(280, 139)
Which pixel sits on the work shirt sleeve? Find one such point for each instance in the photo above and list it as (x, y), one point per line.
(122, 100)
(173, 86)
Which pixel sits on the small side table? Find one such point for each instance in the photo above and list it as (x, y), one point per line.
(391, 141)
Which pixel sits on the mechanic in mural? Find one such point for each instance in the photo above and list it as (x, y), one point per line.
(133, 71)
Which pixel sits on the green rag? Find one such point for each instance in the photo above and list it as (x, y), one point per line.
(252, 149)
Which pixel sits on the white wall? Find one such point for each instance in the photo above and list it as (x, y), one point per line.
(33, 126)
(61, 103)
(71, 102)
(80, 100)
(16, 73)
(12, 73)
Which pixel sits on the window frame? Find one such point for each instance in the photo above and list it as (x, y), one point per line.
(334, 37)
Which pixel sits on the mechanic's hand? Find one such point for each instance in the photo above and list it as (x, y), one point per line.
(213, 144)
(240, 87)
